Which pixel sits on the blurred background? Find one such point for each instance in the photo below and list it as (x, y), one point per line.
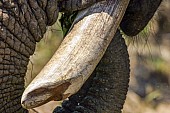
(149, 87)
(149, 90)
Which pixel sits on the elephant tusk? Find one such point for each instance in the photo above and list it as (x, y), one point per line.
(78, 54)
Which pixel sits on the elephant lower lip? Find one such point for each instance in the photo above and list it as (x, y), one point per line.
(78, 54)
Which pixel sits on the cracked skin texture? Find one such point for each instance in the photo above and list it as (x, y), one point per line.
(22, 23)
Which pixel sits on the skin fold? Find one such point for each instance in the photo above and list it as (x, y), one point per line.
(24, 22)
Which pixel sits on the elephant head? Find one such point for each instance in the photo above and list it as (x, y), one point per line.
(24, 22)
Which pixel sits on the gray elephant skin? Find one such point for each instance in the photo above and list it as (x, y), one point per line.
(24, 22)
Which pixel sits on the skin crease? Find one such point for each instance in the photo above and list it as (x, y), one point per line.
(28, 21)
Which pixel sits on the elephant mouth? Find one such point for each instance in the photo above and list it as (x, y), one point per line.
(78, 55)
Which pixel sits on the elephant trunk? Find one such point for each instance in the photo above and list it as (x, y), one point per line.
(22, 24)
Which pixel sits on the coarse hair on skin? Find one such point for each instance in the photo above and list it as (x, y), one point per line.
(149, 31)
(143, 41)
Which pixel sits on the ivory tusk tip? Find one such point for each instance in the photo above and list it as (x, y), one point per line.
(34, 97)
(77, 56)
